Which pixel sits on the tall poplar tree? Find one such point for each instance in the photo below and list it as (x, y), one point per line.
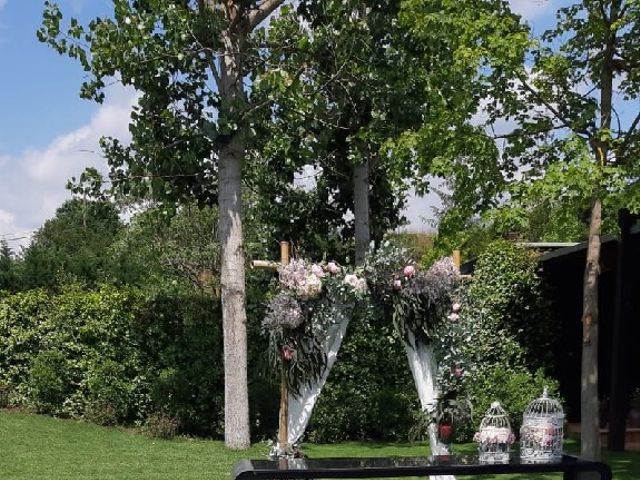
(189, 60)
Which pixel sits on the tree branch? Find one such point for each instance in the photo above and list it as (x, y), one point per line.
(262, 11)
(556, 113)
(627, 137)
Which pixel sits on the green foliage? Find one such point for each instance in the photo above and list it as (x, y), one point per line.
(161, 247)
(507, 294)
(114, 356)
(72, 246)
(8, 268)
(161, 425)
(49, 380)
(505, 340)
(514, 386)
(370, 393)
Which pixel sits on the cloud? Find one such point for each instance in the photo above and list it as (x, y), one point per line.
(3, 3)
(530, 9)
(32, 184)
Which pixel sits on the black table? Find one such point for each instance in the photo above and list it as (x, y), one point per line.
(407, 467)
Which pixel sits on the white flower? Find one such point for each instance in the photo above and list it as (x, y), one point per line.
(454, 317)
(311, 287)
(361, 286)
(127, 20)
(351, 280)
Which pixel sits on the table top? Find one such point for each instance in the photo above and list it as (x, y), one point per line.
(301, 468)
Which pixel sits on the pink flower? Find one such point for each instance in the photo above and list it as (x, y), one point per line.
(457, 372)
(287, 353)
(454, 317)
(409, 271)
(317, 270)
(456, 307)
(333, 268)
(397, 284)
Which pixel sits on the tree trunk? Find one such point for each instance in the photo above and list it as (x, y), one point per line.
(590, 431)
(232, 273)
(589, 398)
(361, 210)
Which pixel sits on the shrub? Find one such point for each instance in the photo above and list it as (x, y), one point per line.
(370, 393)
(5, 395)
(49, 381)
(114, 355)
(507, 293)
(514, 387)
(101, 414)
(108, 392)
(509, 334)
(161, 425)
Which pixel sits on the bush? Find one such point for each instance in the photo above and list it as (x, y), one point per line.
(5, 395)
(513, 387)
(114, 355)
(370, 393)
(108, 392)
(161, 425)
(507, 294)
(509, 334)
(49, 381)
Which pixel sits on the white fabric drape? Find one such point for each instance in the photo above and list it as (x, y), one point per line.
(301, 407)
(423, 367)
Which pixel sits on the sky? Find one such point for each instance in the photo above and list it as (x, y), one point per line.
(49, 134)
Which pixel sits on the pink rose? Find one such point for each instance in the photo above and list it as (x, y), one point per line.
(409, 271)
(333, 268)
(317, 270)
(454, 317)
(397, 284)
(456, 307)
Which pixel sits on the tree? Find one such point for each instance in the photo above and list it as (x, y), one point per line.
(377, 97)
(324, 128)
(573, 141)
(156, 248)
(8, 276)
(72, 246)
(189, 60)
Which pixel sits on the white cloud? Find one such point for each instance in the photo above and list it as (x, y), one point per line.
(32, 184)
(420, 211)
(530, 9)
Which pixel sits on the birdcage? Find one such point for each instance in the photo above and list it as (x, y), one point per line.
(494, 437)
(542, 431)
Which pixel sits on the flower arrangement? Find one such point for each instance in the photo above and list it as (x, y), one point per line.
(417, 296)
(495, 437)
(311, 298)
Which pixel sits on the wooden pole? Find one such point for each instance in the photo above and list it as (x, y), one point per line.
(457, 258)
(283, 430)
(284, 253)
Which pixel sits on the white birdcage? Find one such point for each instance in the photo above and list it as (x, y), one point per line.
(494, 437)
(542, 431)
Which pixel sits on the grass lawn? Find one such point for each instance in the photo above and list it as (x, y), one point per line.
(44, 448)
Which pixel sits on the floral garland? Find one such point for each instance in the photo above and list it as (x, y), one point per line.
(312, 298)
